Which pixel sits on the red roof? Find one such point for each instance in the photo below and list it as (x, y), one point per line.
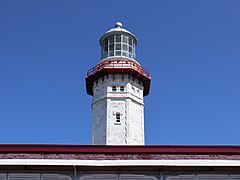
(98, 152)
(102, 149)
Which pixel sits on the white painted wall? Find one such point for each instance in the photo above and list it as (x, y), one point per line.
(106, 103)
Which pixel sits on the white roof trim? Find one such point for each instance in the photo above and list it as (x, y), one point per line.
(53, 162)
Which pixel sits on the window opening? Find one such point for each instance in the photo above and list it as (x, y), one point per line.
(118, 117)
(114, 88)
(122, 88)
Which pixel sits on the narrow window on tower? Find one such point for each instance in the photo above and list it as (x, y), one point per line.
(118, 117)
(122, 88)
(114, 88)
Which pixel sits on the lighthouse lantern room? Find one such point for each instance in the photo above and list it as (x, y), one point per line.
(118, 84)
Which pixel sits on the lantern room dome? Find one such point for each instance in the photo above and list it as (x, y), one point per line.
(118, 42)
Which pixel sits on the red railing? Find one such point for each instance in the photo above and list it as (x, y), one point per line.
(123, 64)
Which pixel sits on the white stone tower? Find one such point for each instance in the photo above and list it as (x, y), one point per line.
(118, 84)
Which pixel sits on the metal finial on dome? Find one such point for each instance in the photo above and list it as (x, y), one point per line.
(118, 25)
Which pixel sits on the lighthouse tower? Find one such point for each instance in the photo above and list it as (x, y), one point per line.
(118, 84)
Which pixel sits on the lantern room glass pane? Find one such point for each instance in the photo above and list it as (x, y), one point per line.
(111, 39)
(118, 38)
(130, 41)
(106, 48)
(125, 39)
(118, 46)
(134, 55)
(111, 53)
(106, 41)
(118, 53)
(111, 47)
(124, 47)
(124, 53)
(130, 49)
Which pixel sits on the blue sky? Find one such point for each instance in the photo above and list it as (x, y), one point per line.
(192, 49)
